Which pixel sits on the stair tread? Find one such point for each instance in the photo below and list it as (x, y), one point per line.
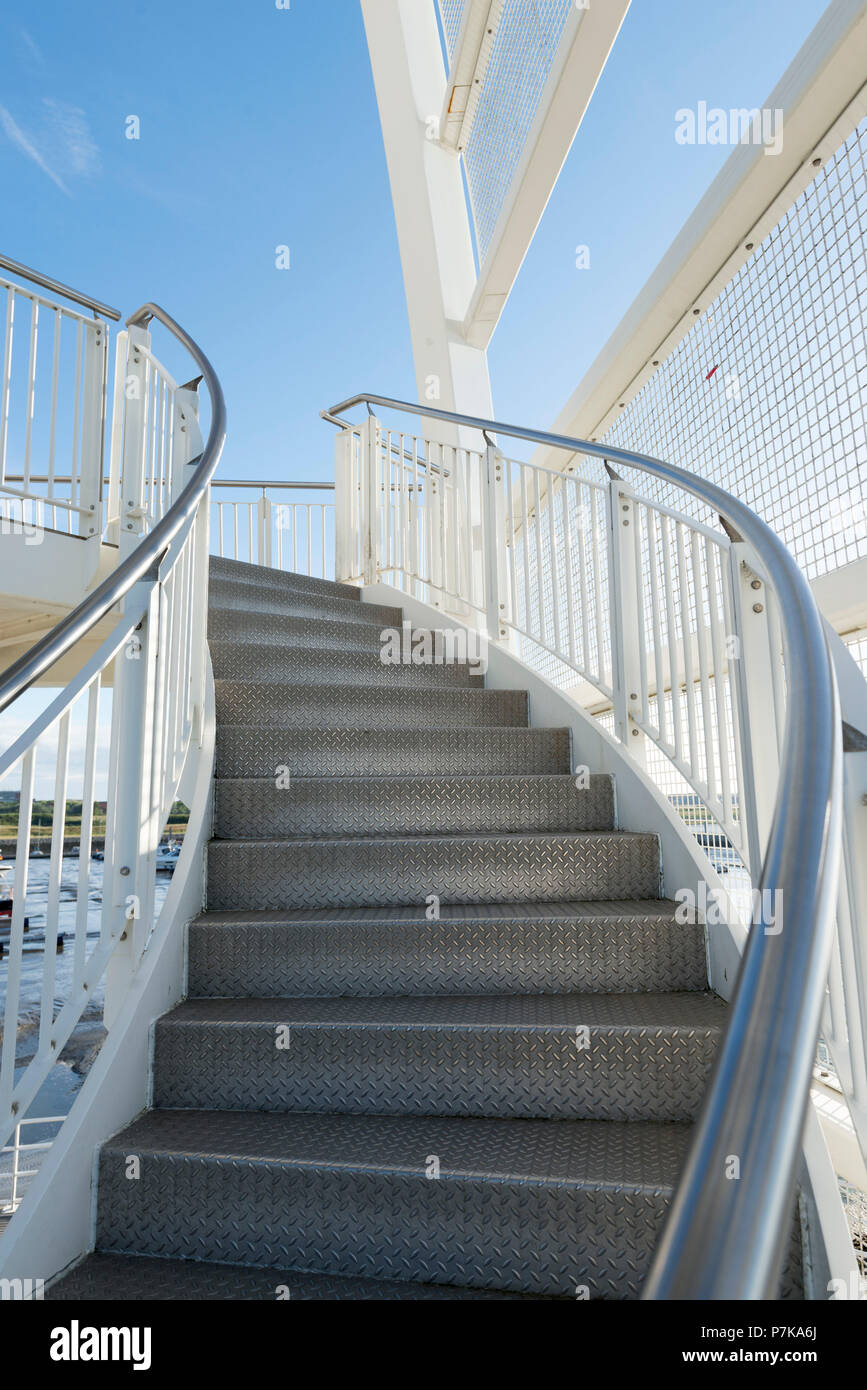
(264, 576)
(602, 1154)
(661, 909)
(486, 837)
(488, 1011)
(146, 1278)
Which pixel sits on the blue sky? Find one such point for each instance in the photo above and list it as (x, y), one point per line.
(259, 128)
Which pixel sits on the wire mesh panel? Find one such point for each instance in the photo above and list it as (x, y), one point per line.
(522, 56)
(767, 395)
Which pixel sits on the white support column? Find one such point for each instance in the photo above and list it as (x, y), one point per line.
(430, 210)
(625, 617)
(495, 553)
(187, 441)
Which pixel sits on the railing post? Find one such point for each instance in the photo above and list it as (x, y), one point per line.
(93, 429)
(133, 503)
(371, 488)
(626, 614)
(495, 558)
(263, 515)
(131, 834)
(186, 437)
(754, 660)
(347, 508)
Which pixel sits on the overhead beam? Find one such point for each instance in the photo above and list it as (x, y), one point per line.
(430, 208)
(823, 97)
(587, 40)
(469, 64)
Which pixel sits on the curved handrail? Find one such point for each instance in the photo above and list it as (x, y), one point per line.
(79, 622)
(723, 1238)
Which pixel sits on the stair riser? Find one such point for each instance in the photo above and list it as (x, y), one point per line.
(517, 1236)
(380, 873)
(409, 806)
(303, 665)
(244, 752)
(276, 961)
(623, 1074)
(328, 707)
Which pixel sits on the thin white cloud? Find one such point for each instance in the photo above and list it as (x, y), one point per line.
(16, 135)
(32, 47)
(70, 136)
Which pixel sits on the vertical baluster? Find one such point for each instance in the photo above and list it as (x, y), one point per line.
(52, 423)
(16, 934)
(85, 839)
(542, 627)
(671, 624)
(582, 512)
(653, 565)
(552, 560)
(55, 873)
(324, 566)
(568, 572)
(775, 640)
(5, 380)
(686, 640)
(639, 511)
(31, 394)
(525, 541)
(718, 654)
(704, 684)
(596, 575)
(514, 618)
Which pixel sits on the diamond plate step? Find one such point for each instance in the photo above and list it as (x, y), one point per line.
(345, 666)
(257, 751)
(526, 1206)
(277, 629)
(564, 948)
(225, 598)
(375, 872)
(314, 706)
(566, 1057)
(141, 1278)
(262, 578)
(364, 806)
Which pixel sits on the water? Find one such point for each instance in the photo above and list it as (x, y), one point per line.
(63, 1083)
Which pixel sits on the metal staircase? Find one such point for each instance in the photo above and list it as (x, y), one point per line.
(355, 1101)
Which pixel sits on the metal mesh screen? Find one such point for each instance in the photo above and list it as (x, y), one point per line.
(767, 395)
(523, 52)
(451, 14)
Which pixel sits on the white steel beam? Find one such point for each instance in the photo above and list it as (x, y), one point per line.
(479, 25)
(822, 96)
(429, 207)
(586, 43)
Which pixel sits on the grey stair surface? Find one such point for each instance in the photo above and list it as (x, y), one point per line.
(409, 805)
(600, 1056)
(443, 1036)
(556, 948)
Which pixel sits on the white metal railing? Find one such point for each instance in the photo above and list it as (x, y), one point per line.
(283, 532)
(53, 378)
(707, 643)
(11, 1200)
(155, 656)
(650, 607)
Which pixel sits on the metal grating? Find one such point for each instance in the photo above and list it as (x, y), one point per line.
(451, 14)
(767, 394)
(521, 59)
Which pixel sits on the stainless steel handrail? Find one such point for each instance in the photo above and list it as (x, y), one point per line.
(724, 1237)
(79, 622)
(57, 287)
(300, 487)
